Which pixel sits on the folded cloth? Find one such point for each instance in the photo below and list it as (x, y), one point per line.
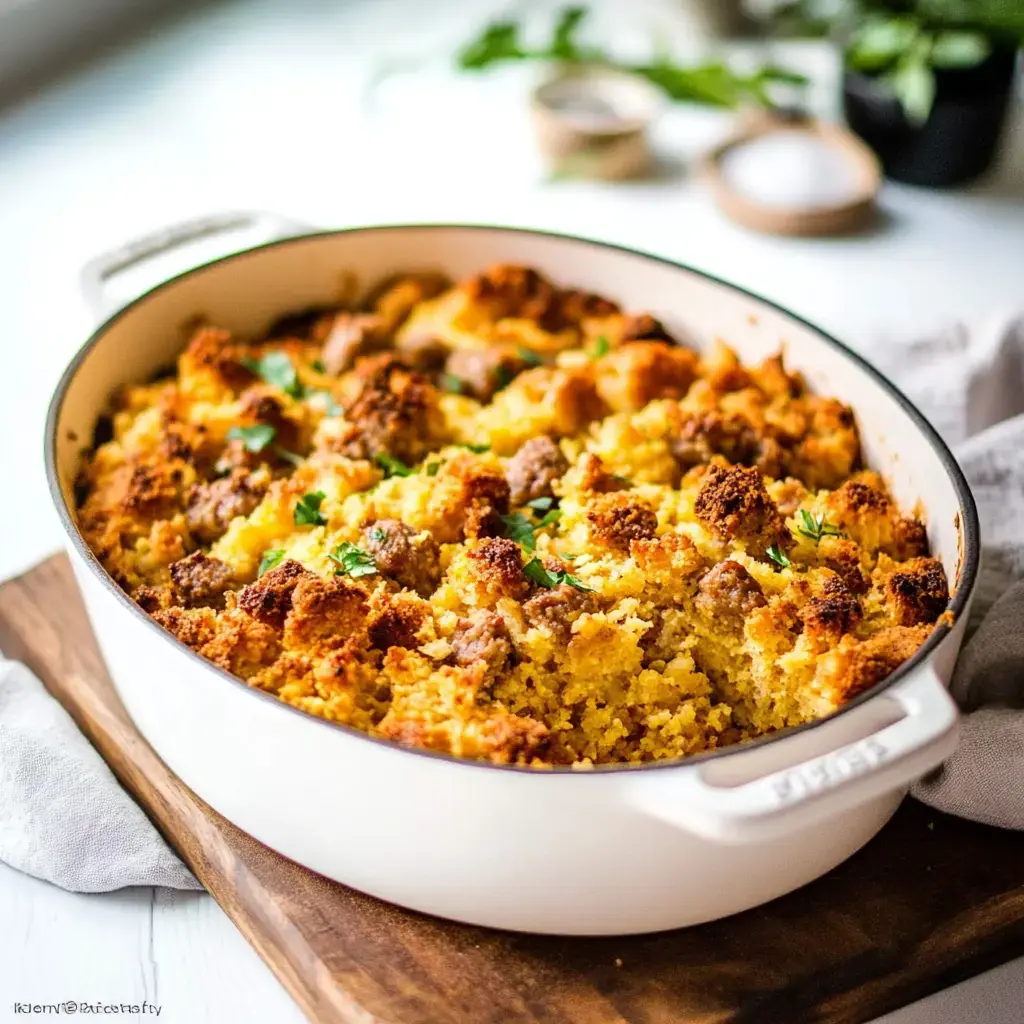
(970, 384)
(63, 816)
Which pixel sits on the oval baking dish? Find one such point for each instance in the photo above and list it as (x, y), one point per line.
(613, 850)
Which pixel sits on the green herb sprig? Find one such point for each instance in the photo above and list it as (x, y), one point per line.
(534, 570)
(600, 348)
(277, 370)
(778, 556)
(307, 510)
(713, 84)
(815, 527)
(392, 466)
(254, 438)
(353, 561)
(270, 560)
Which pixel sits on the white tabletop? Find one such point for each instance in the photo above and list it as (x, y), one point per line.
(267, 104)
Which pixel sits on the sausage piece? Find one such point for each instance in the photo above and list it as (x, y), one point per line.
(401, 554)
(728, 593)
(483, 638)
(212, 505)
(533, 469)
(200, 582)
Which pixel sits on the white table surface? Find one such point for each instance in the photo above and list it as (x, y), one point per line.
(265, 104)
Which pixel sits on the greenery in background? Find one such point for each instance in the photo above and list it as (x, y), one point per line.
(714, 83)
(905, 42)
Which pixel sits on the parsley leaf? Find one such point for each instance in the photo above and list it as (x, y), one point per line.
(307, 511)
(778, 556)
(392, 466)
(549, 517)
(504, 376)
(333, 408)
(534, 570)
(353, 561)
(283, 453)
(271, 558)
(815, 527)
(254, 438)
(600, 347)
(452, 384)
(624, 480)
(476, 449)
(520, 529)
(318, 365)
(431, 468)
(528, 356)
(277, 370)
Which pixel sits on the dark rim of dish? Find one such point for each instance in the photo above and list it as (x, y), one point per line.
(968, 512)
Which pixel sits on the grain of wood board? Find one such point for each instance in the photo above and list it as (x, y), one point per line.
(928, 903)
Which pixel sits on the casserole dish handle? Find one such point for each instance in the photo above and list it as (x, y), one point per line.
(811, 792)
(99, 271)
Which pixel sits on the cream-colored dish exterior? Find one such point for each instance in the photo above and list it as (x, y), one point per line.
(590, 853)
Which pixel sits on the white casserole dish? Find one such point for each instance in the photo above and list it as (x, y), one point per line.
(614, 850)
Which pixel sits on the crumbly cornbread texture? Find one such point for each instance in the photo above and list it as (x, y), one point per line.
(506, 520)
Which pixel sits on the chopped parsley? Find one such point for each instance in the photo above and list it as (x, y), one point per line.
(815, 527)
(283, 453)
(529, 357)
(534, 570)
(624, 480)
(333, 408)
(476, 449)
(254, 438)
(353, 561)
(278, 370)
(549, 517)
(392, 466)
(600, 347)
(378, 535)
(318, 365)
(520, 529)
(452, 384)
(778, 556)
(504, 376)
(431, 468)
(307, 511)
(271, 558)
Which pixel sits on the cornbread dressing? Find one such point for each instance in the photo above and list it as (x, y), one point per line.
(508, 521)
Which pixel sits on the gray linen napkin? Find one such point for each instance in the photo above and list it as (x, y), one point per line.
(971, 386)
(63, 816)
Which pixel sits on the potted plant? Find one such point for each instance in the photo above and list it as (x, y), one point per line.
(927, 83)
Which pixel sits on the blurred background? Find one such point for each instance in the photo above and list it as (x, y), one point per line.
(121, 116)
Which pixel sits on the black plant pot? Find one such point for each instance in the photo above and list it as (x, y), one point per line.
(958, 141)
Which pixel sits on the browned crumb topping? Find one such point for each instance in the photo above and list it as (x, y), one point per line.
(505, 519)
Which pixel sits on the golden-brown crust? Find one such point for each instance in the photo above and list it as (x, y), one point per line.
(733, 503)
(395, 412)
(856, 666)
(630, 377)
(648, 482)
(269, 599)
(498, 566)
(321, 612)
(917, 592)
(617, 520)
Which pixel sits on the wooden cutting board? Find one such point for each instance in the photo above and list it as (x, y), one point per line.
(929, 902)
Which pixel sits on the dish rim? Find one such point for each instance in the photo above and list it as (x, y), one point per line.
(969, 526)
